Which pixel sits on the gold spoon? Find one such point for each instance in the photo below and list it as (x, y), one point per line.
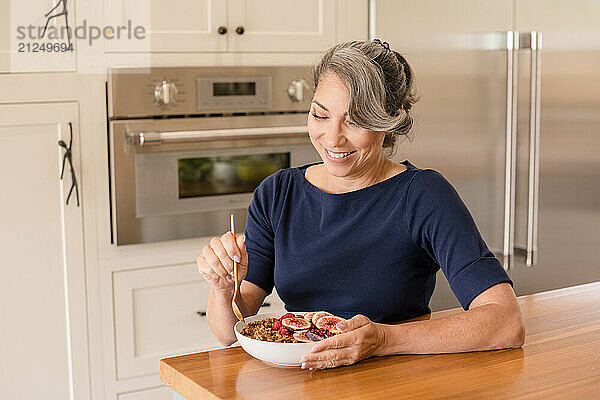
(236, 309)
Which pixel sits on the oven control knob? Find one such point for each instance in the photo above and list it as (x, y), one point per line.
(298, 90)
(165, 93)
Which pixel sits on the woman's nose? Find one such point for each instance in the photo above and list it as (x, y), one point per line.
(334, 136)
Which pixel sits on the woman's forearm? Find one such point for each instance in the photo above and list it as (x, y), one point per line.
(487, 327)
(221, 318)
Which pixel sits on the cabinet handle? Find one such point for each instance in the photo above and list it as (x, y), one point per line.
(239, 30)
(222, 30)
(203, 313)
(68, 156)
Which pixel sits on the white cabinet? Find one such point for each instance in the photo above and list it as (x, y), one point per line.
(158, 393)
(22, 46)
(160, 312)
(283, 26)
(169, 26)
(43, 336)
(231, 26)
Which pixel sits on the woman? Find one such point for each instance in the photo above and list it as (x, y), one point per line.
(361, 236)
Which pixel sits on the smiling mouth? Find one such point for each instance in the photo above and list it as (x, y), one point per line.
(339, 155)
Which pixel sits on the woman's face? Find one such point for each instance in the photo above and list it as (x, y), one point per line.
(347, 150)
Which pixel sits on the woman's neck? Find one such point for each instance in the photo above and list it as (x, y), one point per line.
(380, 171)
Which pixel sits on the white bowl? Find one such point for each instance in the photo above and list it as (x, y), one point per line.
(283, 354)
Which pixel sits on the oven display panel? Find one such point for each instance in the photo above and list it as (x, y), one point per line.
(233, 93)
(234, 88)
(213, 176)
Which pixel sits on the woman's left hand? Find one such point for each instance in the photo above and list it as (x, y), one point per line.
(361, 338)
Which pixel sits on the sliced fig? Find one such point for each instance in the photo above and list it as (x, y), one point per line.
(286, 315)
(324, 333)
(318, 315)
(329, 322)
(296, 324)
(313, 336)
(308, 316)
(301, 337)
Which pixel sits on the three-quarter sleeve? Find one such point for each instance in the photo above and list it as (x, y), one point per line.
(439, 222)
(260, 236)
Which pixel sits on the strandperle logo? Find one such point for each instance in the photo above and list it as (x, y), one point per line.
(65, 32)
(84, 31)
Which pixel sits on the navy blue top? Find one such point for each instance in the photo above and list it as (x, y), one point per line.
(374, 251)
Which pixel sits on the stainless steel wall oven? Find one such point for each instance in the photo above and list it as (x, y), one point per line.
(189, 145)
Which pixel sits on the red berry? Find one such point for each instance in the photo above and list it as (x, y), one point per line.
(285, 331)
(288, 315)
(276, 325)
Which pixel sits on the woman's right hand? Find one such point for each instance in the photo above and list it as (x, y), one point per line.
(215, 263)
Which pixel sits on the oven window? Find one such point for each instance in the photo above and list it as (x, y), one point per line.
(211, 176)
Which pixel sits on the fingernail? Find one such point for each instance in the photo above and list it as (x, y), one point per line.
(236, 258)
(243, 238)
(341, 326)
(303, 366)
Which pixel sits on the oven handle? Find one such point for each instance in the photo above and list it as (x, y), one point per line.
(157, 138)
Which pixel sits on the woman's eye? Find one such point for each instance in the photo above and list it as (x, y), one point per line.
(318, 116)
(351, 123)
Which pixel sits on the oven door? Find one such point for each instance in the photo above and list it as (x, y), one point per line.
(181, 178)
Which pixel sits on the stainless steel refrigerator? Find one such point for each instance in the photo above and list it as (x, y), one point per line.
(510, 114)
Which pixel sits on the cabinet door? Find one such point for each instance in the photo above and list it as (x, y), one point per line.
(170, 26)
(22, 46)
(282, 25)
(157, 393)
(161, 312)
(42, 284)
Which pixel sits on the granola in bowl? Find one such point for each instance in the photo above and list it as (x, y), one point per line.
(282, 340)
(262, 330)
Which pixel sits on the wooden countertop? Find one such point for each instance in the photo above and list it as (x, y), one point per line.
(560, 360)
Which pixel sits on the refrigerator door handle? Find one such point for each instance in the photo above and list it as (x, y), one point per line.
(512, 46)
(534, 149)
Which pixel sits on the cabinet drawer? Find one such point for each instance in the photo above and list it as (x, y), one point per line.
(160, 312)
(158, 393)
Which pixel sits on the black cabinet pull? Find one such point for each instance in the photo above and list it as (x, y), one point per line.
(69, 157)
(222, 30)
(239, 30)
(203, 313)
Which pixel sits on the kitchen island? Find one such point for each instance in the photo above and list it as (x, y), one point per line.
(559, 360)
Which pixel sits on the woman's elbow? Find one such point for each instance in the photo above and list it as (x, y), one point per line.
(521, 332)
(516, 333)
(225, 338)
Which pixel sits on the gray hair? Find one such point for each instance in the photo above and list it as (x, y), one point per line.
(380, 83)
